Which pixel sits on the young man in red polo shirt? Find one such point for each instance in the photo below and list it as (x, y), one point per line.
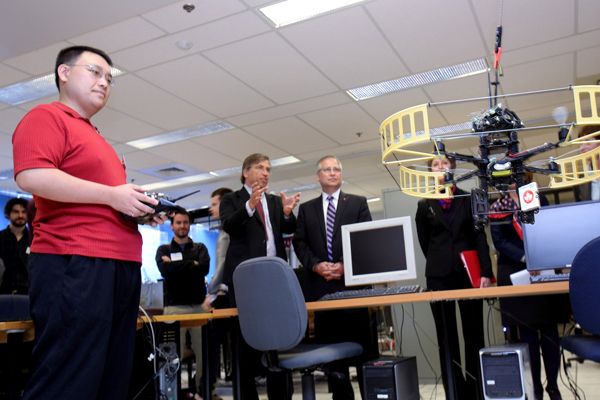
(85, 257)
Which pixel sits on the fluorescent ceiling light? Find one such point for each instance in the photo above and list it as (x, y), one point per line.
(180, 134)
(373, 199)
(34, 89)
(212, 175)
(177, 182)
(469, 68)
(290, 11)
(278, 162)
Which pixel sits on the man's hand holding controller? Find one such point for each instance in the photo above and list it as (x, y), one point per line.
(145, 208)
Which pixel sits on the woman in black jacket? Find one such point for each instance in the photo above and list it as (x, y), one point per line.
(533, 319)
(445, 229)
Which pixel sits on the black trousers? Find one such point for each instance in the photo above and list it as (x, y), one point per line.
(84, 312)
(471, 314)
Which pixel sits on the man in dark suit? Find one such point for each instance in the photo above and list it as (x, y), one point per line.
(318, 245)
(255, 222)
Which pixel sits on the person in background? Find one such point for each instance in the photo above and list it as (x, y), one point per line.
(533, 319)
(14, 248)
(589, 190)
(318, 245)
(445, 228)
(184, 265)
(215, 283)
(84, 266)
(256, 222)
(218, 329)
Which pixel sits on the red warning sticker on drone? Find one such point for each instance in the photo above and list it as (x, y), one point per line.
(528, 197)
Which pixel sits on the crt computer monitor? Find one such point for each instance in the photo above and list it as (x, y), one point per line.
(558, 233)
(378, 251)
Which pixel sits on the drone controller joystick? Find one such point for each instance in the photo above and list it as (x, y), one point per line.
(164, 206)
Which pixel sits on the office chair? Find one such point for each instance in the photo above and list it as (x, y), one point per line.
(584, 292)
(273, 319)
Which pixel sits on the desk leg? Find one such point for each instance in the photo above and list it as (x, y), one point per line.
(448, 356)
(206, 361)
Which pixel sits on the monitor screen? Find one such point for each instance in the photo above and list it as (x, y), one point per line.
(378, 251)
(558, 233)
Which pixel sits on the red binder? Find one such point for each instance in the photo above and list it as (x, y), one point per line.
(470, 260)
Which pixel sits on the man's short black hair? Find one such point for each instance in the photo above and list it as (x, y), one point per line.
(13, 202)
(181, 211)
(69, 55)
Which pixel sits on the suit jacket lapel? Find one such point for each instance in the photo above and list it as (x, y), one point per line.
(271, 206)
(318, 205)
(434, 205)
(339, 212)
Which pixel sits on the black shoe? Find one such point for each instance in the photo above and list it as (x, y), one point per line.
(554, 394)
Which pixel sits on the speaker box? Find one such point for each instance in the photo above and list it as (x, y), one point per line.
(391, 378)
(166, 383)
(506, 372)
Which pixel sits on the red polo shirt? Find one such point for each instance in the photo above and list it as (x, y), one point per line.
(56, 136)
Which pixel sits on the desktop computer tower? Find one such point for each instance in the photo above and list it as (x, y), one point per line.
(391, 378)
(506, 372)
(166, 383)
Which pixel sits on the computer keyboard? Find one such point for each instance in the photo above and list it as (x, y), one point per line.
(368, 292)
(549, 278)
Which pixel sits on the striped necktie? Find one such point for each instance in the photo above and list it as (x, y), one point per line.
(330, 222)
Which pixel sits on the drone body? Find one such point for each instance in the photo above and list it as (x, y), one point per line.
(499, 163)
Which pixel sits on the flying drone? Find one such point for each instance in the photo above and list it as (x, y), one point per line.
(499, 162)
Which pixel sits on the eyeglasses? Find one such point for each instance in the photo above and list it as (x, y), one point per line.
(97, 71)
(330, 170)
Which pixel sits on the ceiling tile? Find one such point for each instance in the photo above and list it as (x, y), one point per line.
(552, 48)
(288, 110)
(347, 47)
(122, 128)
(239, 144)
(194, 155)
(347, 123)
(344, 152)
(173, 18)
(141, 100)
(204, 37)
(9, 75)
(557, 72)
(205, 85)
(9, 118)
(5, 161)
(268, 64)
(383, 106)
(291, 135)
(588, 62)
(525, 23)
(121, 35)
(38, 62)
(5, 145)
(138, 160)
(409, 28)
(36, 24)
(587, 15)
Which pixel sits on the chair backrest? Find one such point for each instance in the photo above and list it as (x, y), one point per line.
(14, 307)
(271, 307)
(584, 286)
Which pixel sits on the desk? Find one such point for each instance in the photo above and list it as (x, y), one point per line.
(443, 295)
